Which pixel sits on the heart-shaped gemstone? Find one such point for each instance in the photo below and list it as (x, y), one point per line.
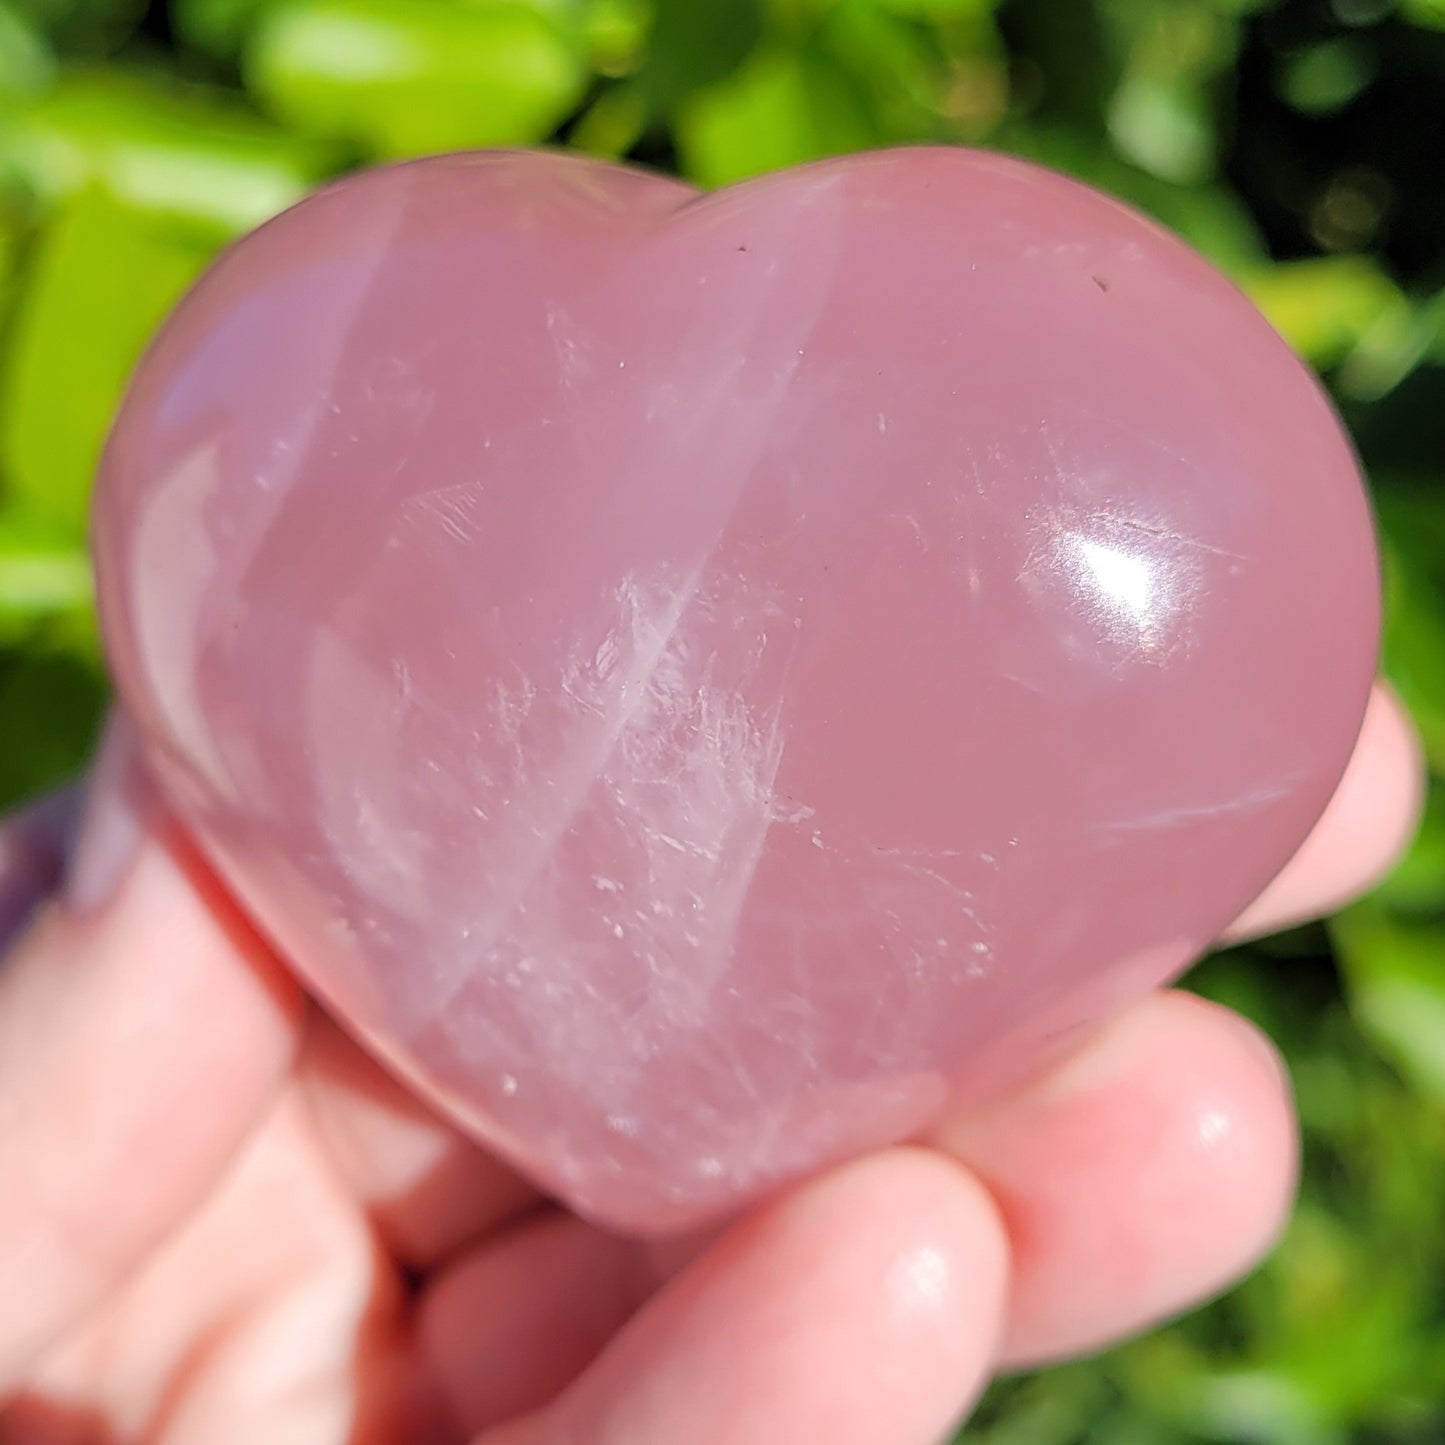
(693, 680)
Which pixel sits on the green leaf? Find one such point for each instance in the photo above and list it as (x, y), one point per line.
(26, 61)
(83, 27)
(1072, 64)
(1427, 13)
(696, 43)
(51, 701)
(41, 572)
(1165, 126)
(1417, 883)
(217, 27)
(1400, 338)
(1324, 78)
(432, 76)
(1412, 512)
(1163, 114)
(222, 27)
(1414, 658)
(178, 153)
(898, 66)
(1396, 976)
(615, 33)
(1412, 525)
(1324, 307)
(947, 10)
(1432, 317)
(77, 334)
(612, 124)
(783, 108)
(9, 263)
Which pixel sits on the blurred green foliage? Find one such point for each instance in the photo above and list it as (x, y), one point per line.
(1298, 143)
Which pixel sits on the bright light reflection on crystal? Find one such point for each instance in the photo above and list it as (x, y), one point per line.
(1124, 578)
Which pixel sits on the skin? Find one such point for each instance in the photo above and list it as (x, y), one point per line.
(221, 1222)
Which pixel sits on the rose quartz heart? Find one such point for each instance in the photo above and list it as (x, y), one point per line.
(691, 680)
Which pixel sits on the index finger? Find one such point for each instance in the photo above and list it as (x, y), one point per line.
(143, 1028)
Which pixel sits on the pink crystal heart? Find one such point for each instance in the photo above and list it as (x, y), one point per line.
(693, 680)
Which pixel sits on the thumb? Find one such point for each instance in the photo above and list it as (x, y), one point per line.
(143, 1028)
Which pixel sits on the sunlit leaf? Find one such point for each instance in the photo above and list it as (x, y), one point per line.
(783, 108)
(1417, 883)
(1324, 307)
(41, 571)
(615, 33)
(402, 81)
(1164, 114)
(1429, 13)
(1396, 975)
(950, 10)
(27, 63)
(1414, 657)
(1412, 521)
(180, 154)
(612, 124)
(1398, 340)
(1166, 127)
(77, 334)
(896, 64)
(215, 26)
(9, 264)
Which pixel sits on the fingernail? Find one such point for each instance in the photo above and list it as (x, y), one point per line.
(120, 803)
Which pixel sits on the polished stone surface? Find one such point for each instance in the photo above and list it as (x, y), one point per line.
(693, 680)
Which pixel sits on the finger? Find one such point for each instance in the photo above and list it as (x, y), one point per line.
(1367, 826)
(519, 1317)
(269, 1317)
(428, 1189)
(142, 1029)
(862, 1307)
(1137, 1178)
(568, 1288)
